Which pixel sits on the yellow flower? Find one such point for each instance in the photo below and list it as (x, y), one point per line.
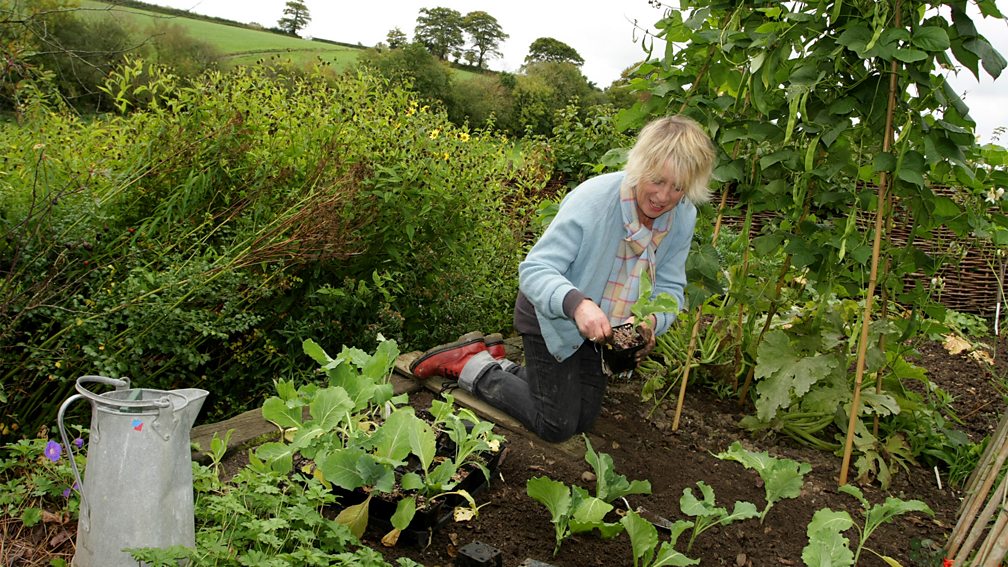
(464, 136)
(59, 364)
(446, 157)
(434, 134)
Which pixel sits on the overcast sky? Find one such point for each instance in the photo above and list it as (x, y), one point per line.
(607, 34)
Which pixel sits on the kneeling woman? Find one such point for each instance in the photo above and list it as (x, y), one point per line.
(581, 278)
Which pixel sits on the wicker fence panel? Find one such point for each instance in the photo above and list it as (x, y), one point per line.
(969, 272)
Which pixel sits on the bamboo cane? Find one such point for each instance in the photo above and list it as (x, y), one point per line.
(876, 252)
(980, 524)
(998, 439)
(696, 323)
(885, 306)
(984, 475)
(997, 543)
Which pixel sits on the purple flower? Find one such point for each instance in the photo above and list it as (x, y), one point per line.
(53, 450)
(66, 493)
(78, 442)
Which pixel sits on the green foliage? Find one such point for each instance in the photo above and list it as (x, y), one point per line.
(548, 49)
(174, 47)
(828, 546)
(782, 478)
(649, 304)
(644, 542)
(707, 514)
(486, 34)
(711, 358)
(440, 30)
(482, 101)
(795, 99)
(585, 142)
(608, 484)
(966, 324)
(81, 52)
(358, 435)
(414, 65)
(36, 479)
(573, 510)
(546, 88)
(209, 229)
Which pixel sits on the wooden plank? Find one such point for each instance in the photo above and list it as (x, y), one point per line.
(248, 427)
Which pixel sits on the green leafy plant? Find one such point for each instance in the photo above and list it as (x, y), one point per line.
(645, 306)
(473, 437)
(609, 485)
(712, 350)
(573, 510)
(37, 480)
(782, 478)
(644, 542)
(827, 545)
(706, 514)
(357, 435)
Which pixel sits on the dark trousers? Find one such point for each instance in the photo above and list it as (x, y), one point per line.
(552, 399)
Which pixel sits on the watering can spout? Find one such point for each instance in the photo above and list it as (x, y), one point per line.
(194, 402)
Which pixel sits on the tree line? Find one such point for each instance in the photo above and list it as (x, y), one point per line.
(472, 39)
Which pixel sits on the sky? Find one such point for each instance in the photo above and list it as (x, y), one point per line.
(606, 33)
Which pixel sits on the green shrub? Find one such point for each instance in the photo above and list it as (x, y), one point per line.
(196, 239)
(582, 138)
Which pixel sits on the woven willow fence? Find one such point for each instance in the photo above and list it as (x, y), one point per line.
(969, 268)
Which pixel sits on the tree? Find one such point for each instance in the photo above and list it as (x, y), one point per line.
(295, 18)
(413, 64)
(547, 87)
(486, 35)
(554, 50)
(396, 38)
(440, 29)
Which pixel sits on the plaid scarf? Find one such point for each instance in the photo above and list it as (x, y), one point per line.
(636, 251)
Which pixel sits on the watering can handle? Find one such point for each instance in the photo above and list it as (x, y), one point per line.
(85, 510)
(120, 384)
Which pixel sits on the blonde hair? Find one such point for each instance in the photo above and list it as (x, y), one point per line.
(679, 142)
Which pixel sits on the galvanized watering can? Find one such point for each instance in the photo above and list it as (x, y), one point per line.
(137, 490)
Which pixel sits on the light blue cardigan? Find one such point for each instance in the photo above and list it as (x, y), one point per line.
(578, 249)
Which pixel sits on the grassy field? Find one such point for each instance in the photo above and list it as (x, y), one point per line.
(239, 46)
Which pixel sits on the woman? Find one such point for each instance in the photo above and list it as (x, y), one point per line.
(581, 278)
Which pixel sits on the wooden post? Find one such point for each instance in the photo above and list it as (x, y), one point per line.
(880, 215)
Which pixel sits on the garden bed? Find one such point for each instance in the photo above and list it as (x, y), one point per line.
(644, 448)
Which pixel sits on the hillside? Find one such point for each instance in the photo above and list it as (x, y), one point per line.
(238, 43)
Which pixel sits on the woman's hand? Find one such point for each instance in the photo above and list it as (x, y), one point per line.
(592, 322)
(646, 329)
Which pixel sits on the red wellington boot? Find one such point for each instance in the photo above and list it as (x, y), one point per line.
(494, 342)
(495, 345)
(448, 359)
